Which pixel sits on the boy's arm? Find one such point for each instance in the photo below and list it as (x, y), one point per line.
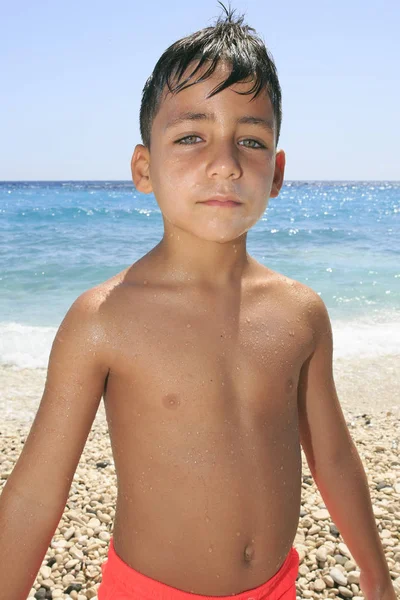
(36, 492)
(335, 464)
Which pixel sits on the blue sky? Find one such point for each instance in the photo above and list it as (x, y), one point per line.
(72, 75)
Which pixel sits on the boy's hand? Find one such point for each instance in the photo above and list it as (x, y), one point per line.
(374, 591)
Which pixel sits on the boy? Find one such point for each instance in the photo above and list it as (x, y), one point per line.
(214, 369)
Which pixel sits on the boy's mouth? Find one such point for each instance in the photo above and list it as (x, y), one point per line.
(223, 201)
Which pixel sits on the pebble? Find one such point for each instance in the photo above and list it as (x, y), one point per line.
(343, 549)
(45, 572)
(67, 579)
(104, 536)
(76, 553)
(328, 580)
(350, 565)
(345, 592)
(314, 529)
(321, 554)
(319, 585)
(69, 533)
(353, 577)
(321, 514)
(70, 564)
(93, 523)
(338, 577)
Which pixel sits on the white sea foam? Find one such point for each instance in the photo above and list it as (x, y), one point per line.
(367, 337)
(24, 346)
(28, 347)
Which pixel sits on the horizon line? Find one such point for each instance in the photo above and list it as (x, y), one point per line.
(130, 181)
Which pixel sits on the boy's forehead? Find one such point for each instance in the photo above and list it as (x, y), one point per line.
(234, 100)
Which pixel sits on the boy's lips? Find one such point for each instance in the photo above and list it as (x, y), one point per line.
(223, 201)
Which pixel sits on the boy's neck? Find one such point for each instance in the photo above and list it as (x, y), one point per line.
(201, 263)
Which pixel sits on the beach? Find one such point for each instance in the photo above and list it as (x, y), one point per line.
(61, 238)
(369, 390)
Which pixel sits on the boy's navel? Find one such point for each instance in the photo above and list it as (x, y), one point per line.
(249, 552)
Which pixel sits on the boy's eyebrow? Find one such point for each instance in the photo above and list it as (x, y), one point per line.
(267, 124)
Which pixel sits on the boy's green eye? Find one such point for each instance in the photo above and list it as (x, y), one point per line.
(258, 144)
(189, 139)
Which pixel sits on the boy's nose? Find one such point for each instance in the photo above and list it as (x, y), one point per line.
(224, 162)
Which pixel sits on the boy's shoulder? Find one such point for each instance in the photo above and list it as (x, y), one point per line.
(292, 298)
(289, 290)
(94, 305)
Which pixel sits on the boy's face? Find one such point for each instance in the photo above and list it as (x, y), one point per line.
(220, 147)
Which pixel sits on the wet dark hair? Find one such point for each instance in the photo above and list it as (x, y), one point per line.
(229, 40)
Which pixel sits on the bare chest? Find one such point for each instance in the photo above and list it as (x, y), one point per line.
(170, 356)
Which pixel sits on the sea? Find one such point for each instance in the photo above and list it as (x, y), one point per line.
(58, 239)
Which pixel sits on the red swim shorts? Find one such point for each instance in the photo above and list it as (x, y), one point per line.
(121, 582)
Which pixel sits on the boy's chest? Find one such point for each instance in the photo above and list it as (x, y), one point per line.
(170, 352)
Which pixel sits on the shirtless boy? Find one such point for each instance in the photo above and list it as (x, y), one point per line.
(213, 368)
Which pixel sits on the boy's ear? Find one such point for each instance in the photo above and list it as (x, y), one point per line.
(280, 161)
(140, 167)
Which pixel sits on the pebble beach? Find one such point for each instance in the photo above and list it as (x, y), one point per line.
(72, 565)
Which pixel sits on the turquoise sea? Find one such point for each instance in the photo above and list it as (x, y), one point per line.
(58, 239)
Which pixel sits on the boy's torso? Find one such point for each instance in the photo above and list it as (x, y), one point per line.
(201, 401)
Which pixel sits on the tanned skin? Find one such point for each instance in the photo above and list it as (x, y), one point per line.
(214, 371)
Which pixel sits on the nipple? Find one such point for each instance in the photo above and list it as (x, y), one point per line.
(171, 401)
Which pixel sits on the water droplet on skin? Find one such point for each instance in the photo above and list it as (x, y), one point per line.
(145, 282)
(247, 320)
(188, 325)
(238, 533)
(210, 549)
(291, 333)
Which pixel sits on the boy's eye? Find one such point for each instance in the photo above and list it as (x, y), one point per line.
(189, 139)
(249, 143)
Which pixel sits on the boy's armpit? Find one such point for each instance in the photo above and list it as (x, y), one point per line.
(324, 434)
(75, 381)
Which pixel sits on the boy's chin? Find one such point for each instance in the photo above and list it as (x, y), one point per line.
(209, 231)
(219, 235)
